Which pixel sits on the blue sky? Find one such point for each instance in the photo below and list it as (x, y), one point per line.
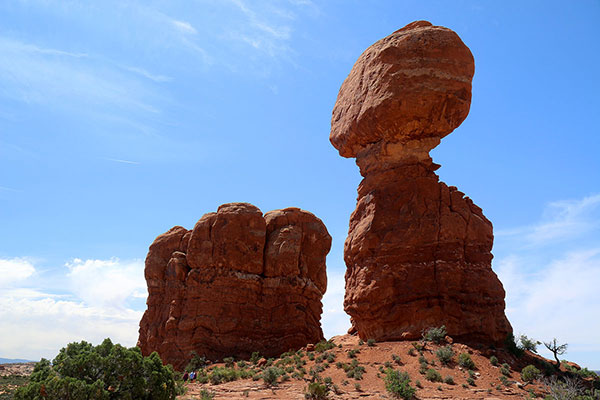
(120, 119)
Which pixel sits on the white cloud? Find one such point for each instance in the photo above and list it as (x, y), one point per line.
(93, 305)
(14, 270)
(334, 320)
(106, 283)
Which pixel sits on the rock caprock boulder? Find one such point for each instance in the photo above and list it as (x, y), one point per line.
(239, 282)
(418, 252)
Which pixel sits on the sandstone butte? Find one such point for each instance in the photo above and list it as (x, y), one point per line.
(418, 252)
(239, 282)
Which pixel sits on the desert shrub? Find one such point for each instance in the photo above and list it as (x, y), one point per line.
(316, 391)
(435, 335)
(465, 361)
(471, 381)
(511, 345)
(311, 356)
(361, 342)
(396, 359)
(324, 345)
(526, 343)
(504, 380)
(530, 373)
(270, 375)
(255, 357)
(206, 395)
(229, 362)
(433, 376)
(371, 342)
(196, 362)
(219, 375)
(352, 353)
(471, 373)
(449, 380)
(412, 352)
(330, 358)
(354, 370)
(418, 384)
(398, 384)
(494, 360)
(505, 369)
(83, 371)
(357, 387)
(445, 354)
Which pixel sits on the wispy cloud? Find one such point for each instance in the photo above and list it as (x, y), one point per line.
(184, 27)
(149, 75)
(56, 78)
(123, 161)
(551, 276)
(561, 220)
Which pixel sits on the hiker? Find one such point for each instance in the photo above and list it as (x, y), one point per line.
(185, 377)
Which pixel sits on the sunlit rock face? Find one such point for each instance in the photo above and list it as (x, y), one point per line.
(239, 282)
(418, 252)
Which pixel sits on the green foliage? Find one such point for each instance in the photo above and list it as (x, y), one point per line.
(556, 349)
(270, 375)
(352, 353)
(530, 373)
(445, 354)
(398, 384)
(511, 345)
(371, 342)
(206, 395)
(505, 369)
(255, 357)
(354, 370)
(494, 360)
(361, 342)
(229, 362)
(324, 345)
(411, 352)
(357, 387)
(526, 343)
(10, 383)
(196, 362)
(471, 381)
(465, 361)
(317, 391)
(106, 371)
(220, 375)
(418, 384)
(504, 380)
(449, 380)
(433, 376)
(435, 335)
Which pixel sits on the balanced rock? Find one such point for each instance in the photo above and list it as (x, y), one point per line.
(418, 252)
(239, 282)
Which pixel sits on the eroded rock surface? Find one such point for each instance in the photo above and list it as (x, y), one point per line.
(238, 282)
(418, 252)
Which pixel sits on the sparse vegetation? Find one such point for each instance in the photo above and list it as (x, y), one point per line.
(494, 360)
(206, 395)
(465, 361)
(435, 335)
(398, 384)
(323, 346)
(526, 343)
(556, 349)
(270, 375)
(449, 380)
(505, 369)
(445, 354)
(433, 376)
(530, 373)
(371, 342)
(317, 391)
(471, 381)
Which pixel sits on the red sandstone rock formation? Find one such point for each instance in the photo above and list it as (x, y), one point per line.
(238, 282)
(418, 252)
